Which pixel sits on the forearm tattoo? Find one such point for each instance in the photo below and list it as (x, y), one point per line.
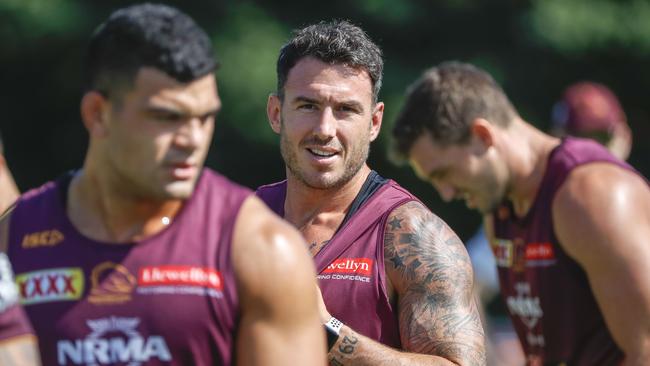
(345, 347)
(432, 275)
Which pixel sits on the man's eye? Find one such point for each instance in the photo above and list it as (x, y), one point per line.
(168, 117)
(307, 107)
(347, 109)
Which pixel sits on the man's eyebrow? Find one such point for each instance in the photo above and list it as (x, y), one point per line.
(352, 104)
(164, 109)
(304, 99)
(211, 113)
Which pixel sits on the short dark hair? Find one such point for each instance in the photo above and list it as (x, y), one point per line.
(445, 101)
(146, 35)
(335, 42)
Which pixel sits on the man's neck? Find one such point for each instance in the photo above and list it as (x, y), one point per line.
(529, 152)
(105, 213)
(305, 206)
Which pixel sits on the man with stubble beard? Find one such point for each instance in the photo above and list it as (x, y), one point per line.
(396, 281)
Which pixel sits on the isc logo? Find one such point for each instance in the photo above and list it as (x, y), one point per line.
(57, 284)
(46, 238)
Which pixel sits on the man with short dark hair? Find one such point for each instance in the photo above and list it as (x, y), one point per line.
(396, 282)
(144, 257)
(567, 221)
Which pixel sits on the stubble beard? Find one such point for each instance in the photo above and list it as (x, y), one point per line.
(357, 159)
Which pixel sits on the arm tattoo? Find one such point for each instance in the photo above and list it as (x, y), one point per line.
(430, 269)
(335, 362)
(347, 344)
(316, 247)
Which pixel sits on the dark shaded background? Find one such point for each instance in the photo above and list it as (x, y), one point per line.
(533, 48)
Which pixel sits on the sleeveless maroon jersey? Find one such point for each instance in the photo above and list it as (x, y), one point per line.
(350, 267)
(546, 292)
(169, 299)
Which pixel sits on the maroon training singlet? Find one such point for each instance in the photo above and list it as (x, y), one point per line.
(546, 292)
(350, 267)
(169, 299)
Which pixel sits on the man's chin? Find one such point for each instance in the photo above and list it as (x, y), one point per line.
(179, 190)
(325, 181)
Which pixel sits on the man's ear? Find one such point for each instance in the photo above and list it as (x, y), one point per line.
(377, 117)
(95, 109)
(274, 112)
(484, 132)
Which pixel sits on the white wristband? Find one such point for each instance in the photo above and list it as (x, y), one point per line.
(334, 325)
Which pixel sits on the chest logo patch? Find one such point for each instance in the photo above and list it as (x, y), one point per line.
(46, 238)
(56, 284)
(113, 340)
(180, 279)
(503, 252)
(349, 269)
(111, 283)
(361, 266)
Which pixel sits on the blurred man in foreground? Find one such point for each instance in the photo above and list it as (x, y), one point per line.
(567, 221)
(144, 257)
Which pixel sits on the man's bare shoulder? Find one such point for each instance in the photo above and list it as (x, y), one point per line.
(598, 177)
(418, 241)
(598, 200)
(265, 245)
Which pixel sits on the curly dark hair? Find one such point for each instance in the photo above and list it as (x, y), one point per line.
(335, 42)
(146, 35)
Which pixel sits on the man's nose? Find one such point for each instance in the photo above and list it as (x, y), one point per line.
(326, 127)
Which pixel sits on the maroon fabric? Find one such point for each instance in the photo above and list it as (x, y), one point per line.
(546, 292)
(169, 299)
(350, 267)
(13, 321)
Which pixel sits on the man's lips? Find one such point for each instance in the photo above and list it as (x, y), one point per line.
(322, 152)
(182, 170)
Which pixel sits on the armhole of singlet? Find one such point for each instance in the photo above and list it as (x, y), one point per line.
(373, 182)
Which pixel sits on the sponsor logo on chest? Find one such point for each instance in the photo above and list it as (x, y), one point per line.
(517, 255)
(110, 283)
(57, 284)
(180, 276)
(45, 238)
(527, 308)
(113, 340)
(350, 269)
(183, 280)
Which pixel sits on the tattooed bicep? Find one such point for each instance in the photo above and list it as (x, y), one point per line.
(418, 245)
(429, 267)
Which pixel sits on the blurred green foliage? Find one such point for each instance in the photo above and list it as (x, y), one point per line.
(533, 48)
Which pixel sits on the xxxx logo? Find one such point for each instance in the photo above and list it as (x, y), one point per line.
(57, 284)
